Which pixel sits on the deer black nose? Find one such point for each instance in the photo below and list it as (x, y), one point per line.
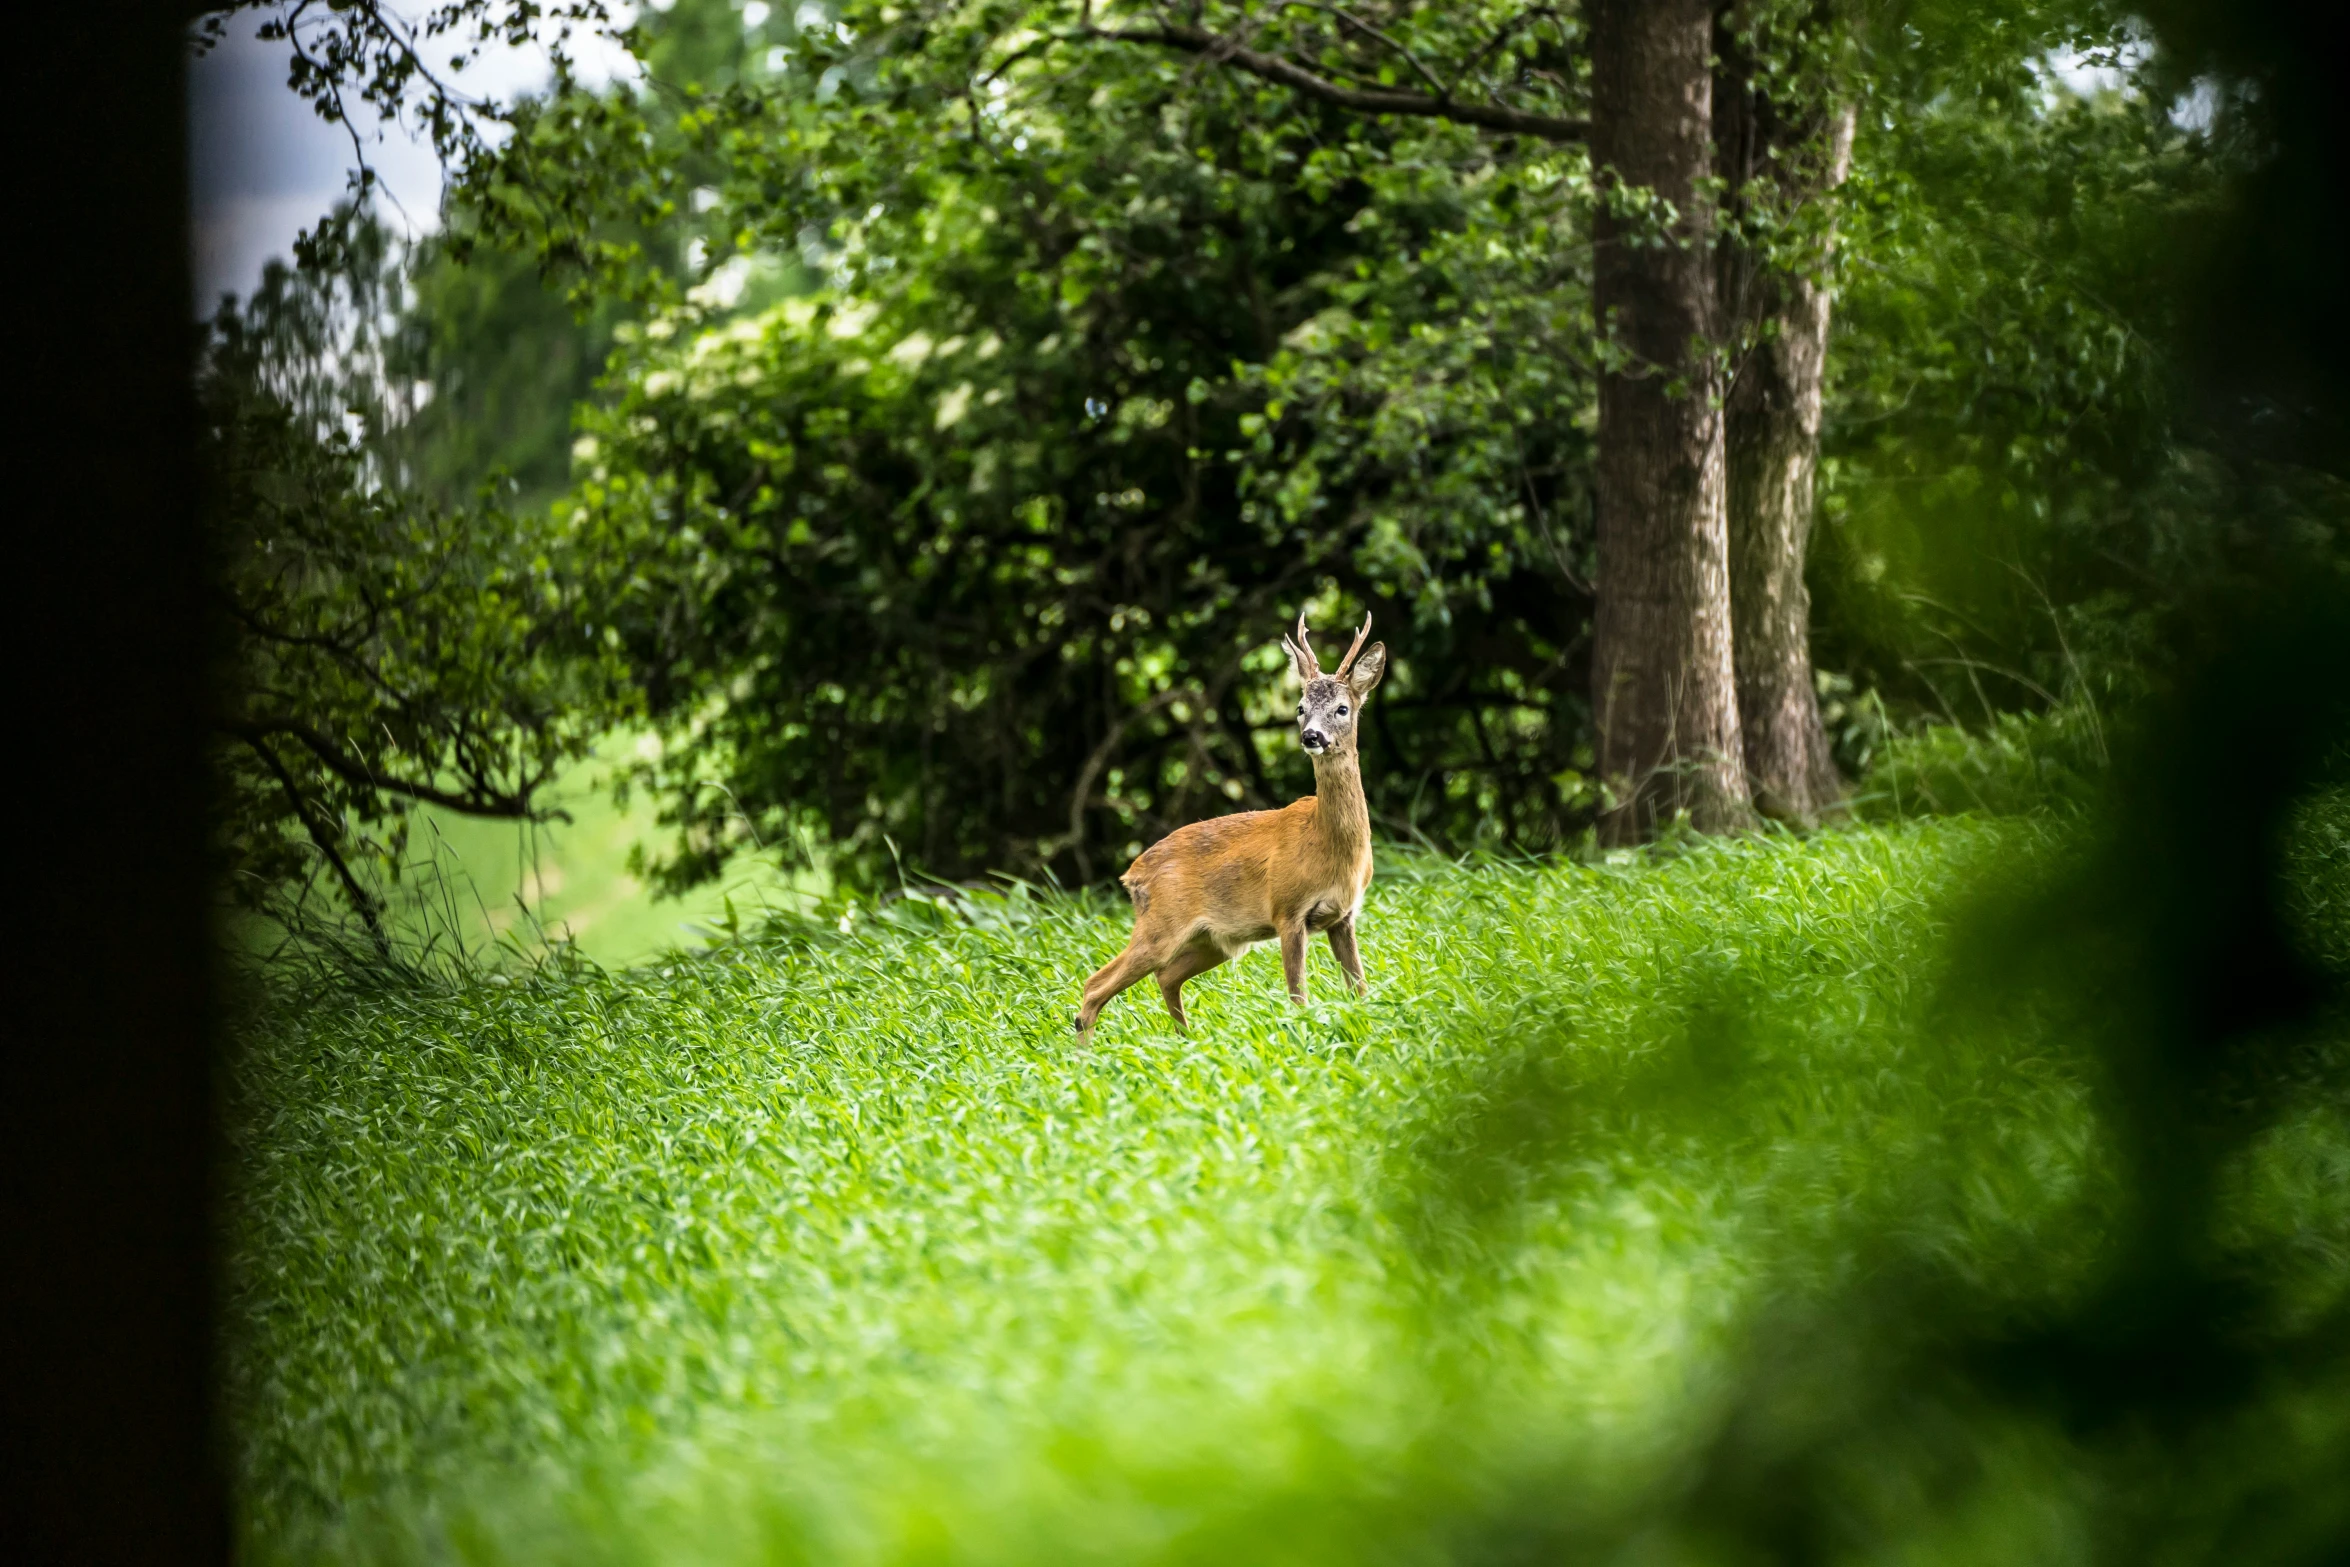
(1314, 739)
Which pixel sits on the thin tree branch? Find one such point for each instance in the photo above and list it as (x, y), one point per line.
(504, 807)
(322, 838)
(1220, 50)
(1443, 93)
(1500, 37)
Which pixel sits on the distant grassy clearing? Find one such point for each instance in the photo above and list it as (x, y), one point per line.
(836, 1249)
(491, 883)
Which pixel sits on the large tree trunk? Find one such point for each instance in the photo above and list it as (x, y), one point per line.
(1772, 440)
(1664, 694)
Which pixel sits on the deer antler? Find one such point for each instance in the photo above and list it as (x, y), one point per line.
(1302, 651)
(1348, 662)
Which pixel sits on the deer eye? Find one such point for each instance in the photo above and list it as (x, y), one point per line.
(1342, 712)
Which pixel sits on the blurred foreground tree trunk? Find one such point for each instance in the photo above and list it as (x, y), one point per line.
(1776, 317)
(1664, 695)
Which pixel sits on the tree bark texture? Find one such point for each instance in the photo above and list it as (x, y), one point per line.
(1772, 440)
(1664, 694)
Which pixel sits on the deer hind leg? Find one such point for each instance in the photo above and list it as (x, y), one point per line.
(1349, 956)
(1196, 958)
(1112, 977)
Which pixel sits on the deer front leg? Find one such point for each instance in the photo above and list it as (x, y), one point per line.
(1293, 960)
(1349, 956)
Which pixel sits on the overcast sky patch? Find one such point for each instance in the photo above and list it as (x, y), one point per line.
(263, 166)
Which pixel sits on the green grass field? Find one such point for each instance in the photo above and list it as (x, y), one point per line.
(831, 1247)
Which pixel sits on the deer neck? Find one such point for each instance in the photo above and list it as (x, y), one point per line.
(1342, 816)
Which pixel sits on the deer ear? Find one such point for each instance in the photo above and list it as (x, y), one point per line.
(1301, 663)
(1367, 669)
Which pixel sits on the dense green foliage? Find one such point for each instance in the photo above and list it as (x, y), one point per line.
(381, 647)
(401, 621)
(983, 404)
(507, 361)
(1247, 350)
(963, 552)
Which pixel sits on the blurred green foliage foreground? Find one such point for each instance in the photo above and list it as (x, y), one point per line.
(1975, 1191)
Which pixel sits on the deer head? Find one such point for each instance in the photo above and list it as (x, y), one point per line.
(1330, 705)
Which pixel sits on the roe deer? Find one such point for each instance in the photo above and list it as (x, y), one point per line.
(1213, 889)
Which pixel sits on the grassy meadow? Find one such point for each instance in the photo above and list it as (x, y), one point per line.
(830, 1246)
